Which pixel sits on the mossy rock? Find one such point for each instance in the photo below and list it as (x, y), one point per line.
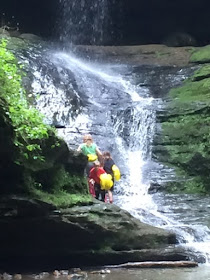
(30, 37)
(201, 55)
(15, 44)
(202, 73)
(184, 137)
(4, 32)
(58, 178)
(190, 185)
(192, 91)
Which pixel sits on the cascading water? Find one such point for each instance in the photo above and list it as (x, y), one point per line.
(84, 22)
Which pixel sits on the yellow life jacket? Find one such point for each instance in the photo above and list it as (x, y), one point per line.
(116, 172)
(106, 181)
(92, 157)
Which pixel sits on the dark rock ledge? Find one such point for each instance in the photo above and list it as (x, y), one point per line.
(36, 235)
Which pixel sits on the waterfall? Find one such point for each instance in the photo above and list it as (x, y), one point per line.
(84, 22)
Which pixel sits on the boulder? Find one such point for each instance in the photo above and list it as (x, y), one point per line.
(95, 234)
(179, 39)
(30, 37)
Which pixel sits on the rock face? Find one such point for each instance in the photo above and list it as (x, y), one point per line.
(155, 55)
(9, 171)
(182, 141)
(36, 235)
(179, 39)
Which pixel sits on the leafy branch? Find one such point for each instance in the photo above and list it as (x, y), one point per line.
(28, 124)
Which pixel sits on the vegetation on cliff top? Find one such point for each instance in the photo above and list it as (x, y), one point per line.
(34, 161)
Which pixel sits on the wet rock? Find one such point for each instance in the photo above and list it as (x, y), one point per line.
(78, 276)
(30, 37)
(17, 276)
(78, 235)
(154, 187)
(105, 271)
(6, 276)
(179, 39)
(4, 32)
(44, 274)
(64, 272)
(56, 273)
(164, 264)
(75, 270)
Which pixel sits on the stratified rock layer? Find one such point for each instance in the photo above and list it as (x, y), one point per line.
(35, 234)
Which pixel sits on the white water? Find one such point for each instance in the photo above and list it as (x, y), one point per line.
(135, 147)
(84, 21)
(111, 78)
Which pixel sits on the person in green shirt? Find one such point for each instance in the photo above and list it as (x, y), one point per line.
(91, 150)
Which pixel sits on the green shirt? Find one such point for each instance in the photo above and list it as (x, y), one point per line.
(87, 150)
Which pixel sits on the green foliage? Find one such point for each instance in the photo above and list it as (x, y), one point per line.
(191, 185)
(187, 129)
(57, 186)
(62, 199)
(57, 178)
(63, 192)
(192, 91)
(195, 185)
(201, 55)
(39, 158)
(26, 120)
(202, 73)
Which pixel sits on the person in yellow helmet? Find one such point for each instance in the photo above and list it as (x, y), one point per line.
(91, 150)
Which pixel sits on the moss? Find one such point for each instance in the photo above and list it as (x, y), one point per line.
(105, 249)
(202, 73)
(61, 199)
(186, 133)
(191, 185)
(201, 55)
(14, 43)
(57, 178)
(187, 129)
(160, 54)
(192, 91)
